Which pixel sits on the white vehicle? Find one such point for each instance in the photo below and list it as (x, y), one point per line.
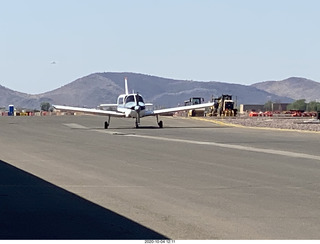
(130, 106)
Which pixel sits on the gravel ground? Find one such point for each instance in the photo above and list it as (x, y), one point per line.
(308, 124)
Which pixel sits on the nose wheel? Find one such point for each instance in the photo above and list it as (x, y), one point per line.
(137, 120)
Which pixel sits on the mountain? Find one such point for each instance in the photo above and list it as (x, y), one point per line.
(8, 97)
(97, 88)
(294, 87)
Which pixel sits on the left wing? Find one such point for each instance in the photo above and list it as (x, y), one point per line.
(89, 111)
(182, 108)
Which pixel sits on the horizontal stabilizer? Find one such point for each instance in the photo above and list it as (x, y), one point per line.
(108, 105)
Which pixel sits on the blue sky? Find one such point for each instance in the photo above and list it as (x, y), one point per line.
(45, 44)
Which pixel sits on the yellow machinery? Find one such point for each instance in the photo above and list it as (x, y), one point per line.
(224, 106)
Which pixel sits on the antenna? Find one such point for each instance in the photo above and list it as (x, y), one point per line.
(126, 85)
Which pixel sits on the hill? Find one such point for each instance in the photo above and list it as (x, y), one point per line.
(8, 97)
(294, 87)
(97, 88)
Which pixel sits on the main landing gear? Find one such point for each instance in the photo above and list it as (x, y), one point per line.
(107, 123)
(160, 123)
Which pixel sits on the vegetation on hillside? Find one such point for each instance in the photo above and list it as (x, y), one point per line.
(303, 106)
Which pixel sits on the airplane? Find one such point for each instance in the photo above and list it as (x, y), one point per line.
(130, 105)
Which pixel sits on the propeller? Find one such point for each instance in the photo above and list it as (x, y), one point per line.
(137, 107)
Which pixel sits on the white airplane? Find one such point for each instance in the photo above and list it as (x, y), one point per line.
(130, 106)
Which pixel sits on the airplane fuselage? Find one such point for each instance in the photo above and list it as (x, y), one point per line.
(132, 105)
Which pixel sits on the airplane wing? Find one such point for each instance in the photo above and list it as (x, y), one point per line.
(89, 111)
(182, 108)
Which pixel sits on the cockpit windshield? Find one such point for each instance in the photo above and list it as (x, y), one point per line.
(131, 98)
(140, 99)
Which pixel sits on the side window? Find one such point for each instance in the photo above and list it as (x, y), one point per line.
(120, 100)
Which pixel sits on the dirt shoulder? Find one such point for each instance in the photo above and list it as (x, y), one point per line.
(299, 124)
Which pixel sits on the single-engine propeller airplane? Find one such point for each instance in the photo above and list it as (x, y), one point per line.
(130, 105)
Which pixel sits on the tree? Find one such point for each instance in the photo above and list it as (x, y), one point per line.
(268, 106)
(298, 105)
(45, 106)
(313, 106)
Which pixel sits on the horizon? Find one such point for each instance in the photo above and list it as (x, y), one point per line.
(152, 76)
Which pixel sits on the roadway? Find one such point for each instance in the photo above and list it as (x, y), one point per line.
(67, 178)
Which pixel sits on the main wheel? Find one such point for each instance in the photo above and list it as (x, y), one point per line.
(106, 125)
(160, 124)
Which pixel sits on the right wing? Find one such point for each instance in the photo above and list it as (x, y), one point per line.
(182, 108)
(88, 111)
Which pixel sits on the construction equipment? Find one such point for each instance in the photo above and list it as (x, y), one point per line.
(194, 101)
(224, 106)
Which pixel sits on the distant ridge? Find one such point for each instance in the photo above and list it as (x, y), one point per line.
(97, 88)
(293, 87)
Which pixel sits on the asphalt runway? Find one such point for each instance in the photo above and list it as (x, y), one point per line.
(65, 177)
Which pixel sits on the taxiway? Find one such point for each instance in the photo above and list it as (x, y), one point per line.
(190, 180)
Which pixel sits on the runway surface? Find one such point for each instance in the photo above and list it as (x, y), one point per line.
(67, 178)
